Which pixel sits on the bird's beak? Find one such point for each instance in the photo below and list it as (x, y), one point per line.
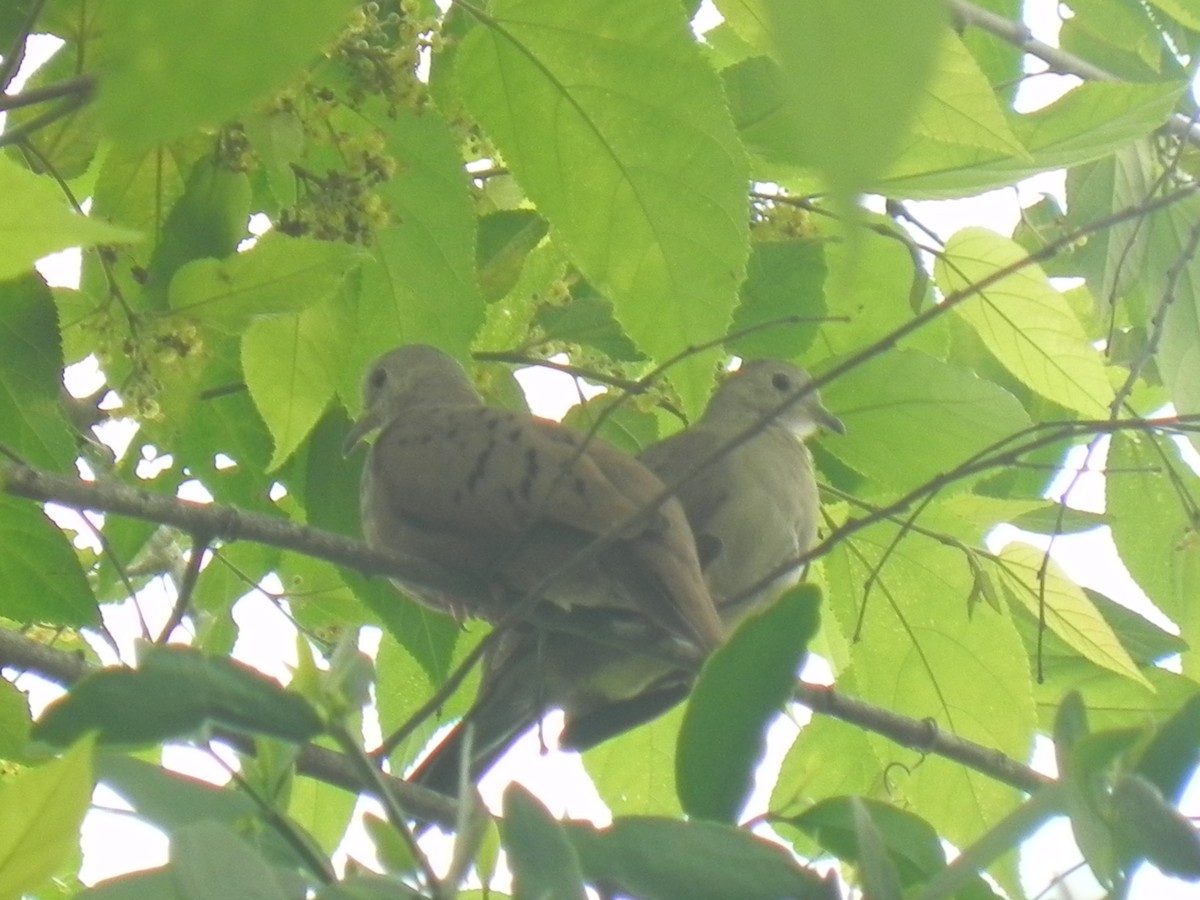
(829, 421)
(365, 424)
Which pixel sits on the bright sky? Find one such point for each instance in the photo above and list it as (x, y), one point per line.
(114, 842)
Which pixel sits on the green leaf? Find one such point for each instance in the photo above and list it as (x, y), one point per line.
(663, 859)
(171, 800)
(853, 75)
(784, 279)
(960, 107)
(278, 275)
(1161, 833)
(1024, 321)
(1181, 10)
(1089, 122)
(292, 365)
(41, 579)
(15, 721)
(894, 403)
(159, 77)
(66, 145)
(1170, 759)
(41, 811)
(648, 787)
(1065, 608)
(1173, 270)
(423, 286)
(879, 875)
(588, 319)
(209, 860)
(1118, 36)
(920, 651)
(505, 239)
(35, 220)
(741, 688)
(176, 692)
(543, 861)
(613, 123)
(32, 423)
(911, 843)
(1146, 642)
(207, 220)
(1113, 260)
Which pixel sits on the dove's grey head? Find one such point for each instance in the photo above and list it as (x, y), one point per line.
(760, 386)
(410, 376)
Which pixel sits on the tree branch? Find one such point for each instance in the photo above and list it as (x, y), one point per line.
(65, 668)
(1059, 60)
(233, 524)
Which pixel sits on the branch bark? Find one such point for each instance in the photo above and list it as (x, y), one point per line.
(233, 524)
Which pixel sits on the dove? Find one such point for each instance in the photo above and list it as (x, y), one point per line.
(516, 500)
(753, 512)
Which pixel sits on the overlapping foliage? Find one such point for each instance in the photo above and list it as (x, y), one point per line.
(519, 178)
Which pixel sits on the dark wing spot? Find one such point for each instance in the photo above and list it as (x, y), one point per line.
(515, 435)
(480, 468)
(580, 485)
(781, 382)
(532, 466)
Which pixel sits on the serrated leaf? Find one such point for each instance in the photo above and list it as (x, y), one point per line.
(921, 654)
(959, 105)
(588, 320)
(423, 286)
(292, 364)
(1066, 608)
(613, 123)
(41, 579)
(896, 401)
(783, 279)
(278, 275)
(1088, 123)
(1024, 321)
(32, 423)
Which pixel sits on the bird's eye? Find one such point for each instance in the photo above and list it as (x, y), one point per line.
(378, 378)
(781, 382)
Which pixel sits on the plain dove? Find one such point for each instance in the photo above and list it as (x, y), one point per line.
(753, 510)
(514, 499)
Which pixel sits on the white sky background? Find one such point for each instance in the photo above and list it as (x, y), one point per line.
(115, 843)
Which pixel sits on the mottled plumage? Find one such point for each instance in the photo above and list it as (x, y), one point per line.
(513, 498)
(752, 510)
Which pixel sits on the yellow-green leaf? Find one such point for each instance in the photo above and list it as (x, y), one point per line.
(1026, 324)
(40, 814)
(1067, 610)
